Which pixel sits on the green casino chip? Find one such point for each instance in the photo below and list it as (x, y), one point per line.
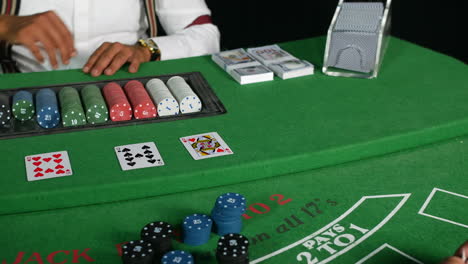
(23, 110)
(72, 110)
(95, 105)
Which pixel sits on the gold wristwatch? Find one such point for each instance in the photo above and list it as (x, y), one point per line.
(153, 48)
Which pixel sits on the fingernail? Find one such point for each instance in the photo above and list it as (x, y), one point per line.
(67, 62)
(108, 71)
(132, 69)
(55, 66)
(74, 53)
(95, 73)
(86, 69)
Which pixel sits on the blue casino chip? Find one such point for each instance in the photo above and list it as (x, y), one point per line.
(227, 213)
(177, 257)
(47, 110)
(197, 229)
(233, 201)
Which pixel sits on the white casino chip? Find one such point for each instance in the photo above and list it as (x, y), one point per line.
(188, 100)
(166, 104)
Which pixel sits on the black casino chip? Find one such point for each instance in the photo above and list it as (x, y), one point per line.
(138, 252)
(233, 249)
(160, 234)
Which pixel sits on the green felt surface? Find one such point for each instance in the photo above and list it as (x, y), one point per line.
(274, 128)
(334, 190)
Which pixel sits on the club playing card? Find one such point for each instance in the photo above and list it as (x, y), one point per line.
(138, 156)
(207, 145)
(47, 166)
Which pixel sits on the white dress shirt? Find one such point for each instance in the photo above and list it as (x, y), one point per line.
(93, 22)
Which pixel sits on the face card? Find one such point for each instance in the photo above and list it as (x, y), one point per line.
(138, 156)
(204, 146)
(47, 166)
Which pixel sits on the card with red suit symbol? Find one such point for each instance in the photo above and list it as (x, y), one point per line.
(47, 166)
(207, 145)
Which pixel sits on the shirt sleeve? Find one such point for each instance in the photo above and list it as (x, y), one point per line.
(183, 41)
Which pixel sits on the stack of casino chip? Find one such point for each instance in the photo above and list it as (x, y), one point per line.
(166, 104)
(119, 107)
(23, 105)
(227, 213)
(188, 100)
(233, 249)
(138, 252)
(142, 104)
(197, 229)
(177, 257)
(5, 113)
(95, 105)
(72, 109)
(48, 115)
(160, 234)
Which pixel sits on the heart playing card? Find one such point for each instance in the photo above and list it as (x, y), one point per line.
(47, 166)
(137, 156)
(208, 145)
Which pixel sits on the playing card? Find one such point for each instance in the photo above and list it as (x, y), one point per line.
(47, 166)
(207, 145)
(137, 156)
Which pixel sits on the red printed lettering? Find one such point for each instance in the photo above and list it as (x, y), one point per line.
(51, 257)
(84, 255)
(35, 257)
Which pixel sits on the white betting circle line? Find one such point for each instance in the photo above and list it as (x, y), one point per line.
(428, 200)
(377, 227)
(373, 253)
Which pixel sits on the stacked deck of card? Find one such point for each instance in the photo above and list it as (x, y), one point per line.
(283, 64)
(242, 67)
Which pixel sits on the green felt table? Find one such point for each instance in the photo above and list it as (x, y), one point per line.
(335, 169)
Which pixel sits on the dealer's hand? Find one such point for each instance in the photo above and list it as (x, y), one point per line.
(43, 29)
(110, 57)
(456, 259)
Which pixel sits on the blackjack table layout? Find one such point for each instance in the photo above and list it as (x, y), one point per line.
(333, 169)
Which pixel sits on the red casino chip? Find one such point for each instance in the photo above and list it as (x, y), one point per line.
(143, 106)
(119, 107)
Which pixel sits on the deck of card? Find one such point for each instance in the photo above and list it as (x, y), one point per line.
(207, 145)
(48, 166)
(283, 64)
(138, 156)
(242, 66)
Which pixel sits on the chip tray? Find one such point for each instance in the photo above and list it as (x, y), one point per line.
(211, 106)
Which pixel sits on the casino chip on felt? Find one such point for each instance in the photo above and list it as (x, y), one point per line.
(5, 113)
(197, 229)
(95, 105)
(142, 104)
(138, 252)
(72, 109)
(119, 106)
(47, 110)
(160, 234)
(227, 213)
(177, 257)
(232, 248)
(188, 100)
(23, 105)
(166, 104)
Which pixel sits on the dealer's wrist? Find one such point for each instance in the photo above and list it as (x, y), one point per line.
(152, 48)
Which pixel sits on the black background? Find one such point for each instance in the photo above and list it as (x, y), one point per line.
(438, 25)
